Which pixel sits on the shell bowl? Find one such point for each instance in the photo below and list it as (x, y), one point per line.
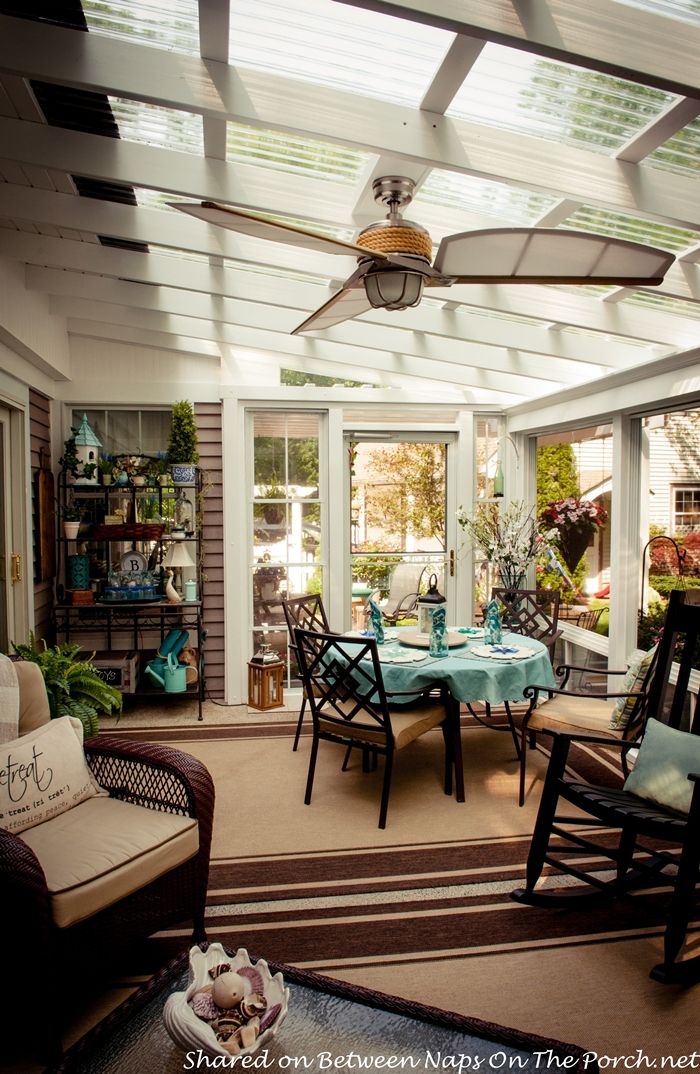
(192, 1032)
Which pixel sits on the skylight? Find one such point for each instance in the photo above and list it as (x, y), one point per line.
(151, 124)
(518, 91)
(288, 152)
(469, 194)
(167, 24)
(632, 228)
(681, 153)
(339, 46)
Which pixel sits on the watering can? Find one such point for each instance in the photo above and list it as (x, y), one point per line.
(174, 675)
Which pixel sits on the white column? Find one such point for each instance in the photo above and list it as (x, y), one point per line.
(625, 538)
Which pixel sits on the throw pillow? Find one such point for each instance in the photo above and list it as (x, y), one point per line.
(633, 681)
(43, 774)
(9, 700)
(665, 759)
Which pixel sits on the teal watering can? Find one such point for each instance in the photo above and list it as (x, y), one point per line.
(174, 675)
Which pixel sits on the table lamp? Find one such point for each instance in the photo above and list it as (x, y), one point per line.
(177, 557)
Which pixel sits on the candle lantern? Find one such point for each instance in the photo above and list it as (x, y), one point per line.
(426, 605)
(265, 687)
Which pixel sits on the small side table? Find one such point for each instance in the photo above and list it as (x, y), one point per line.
(265, 685)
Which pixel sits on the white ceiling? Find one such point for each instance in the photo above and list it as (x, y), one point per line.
(549, 112)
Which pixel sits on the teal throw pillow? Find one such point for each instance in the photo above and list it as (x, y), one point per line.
(665, 759)
(633, 681)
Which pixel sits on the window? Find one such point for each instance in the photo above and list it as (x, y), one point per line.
(127, 432)
(686, 508)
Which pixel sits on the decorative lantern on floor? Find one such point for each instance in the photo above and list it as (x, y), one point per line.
(265, 686)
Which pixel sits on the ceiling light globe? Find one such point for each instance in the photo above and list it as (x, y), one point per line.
(393, 290)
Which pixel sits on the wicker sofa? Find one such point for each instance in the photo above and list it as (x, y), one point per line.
(114, 870)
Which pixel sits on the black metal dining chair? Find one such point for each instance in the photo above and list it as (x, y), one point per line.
(305, 611)
(349, 705)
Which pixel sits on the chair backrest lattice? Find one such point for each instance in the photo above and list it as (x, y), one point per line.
(305, 611)
(531, 612)
(667, 696)
(344, 683)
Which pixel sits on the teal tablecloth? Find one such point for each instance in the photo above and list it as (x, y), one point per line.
(468, 677)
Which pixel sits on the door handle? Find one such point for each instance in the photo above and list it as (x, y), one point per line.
(15, 567)
(452, 563)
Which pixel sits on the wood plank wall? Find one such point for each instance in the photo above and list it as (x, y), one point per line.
(40, 439)
(208, 419)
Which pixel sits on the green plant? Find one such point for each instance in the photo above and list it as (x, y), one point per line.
(70, 460)
(74, 687)
(182, 444)
(70, 512)
(105, 464)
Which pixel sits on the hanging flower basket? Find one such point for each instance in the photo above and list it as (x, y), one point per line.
(573, 524)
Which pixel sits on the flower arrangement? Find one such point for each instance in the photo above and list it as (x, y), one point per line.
(573, 523)
(509, 538)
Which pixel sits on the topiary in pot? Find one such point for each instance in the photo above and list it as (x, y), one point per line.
(74, 687)
(183, 454)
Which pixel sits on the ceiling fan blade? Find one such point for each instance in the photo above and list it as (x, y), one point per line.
(548, 255)
(260, 228)
(346, 303)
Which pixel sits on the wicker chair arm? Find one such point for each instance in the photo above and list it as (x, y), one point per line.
(151, 775)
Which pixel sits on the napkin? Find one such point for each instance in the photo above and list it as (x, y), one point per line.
(377, 621)
(506, 649)
(438, 641)
(492, 623)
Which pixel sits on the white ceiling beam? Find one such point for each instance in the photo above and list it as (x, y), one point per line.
(246, 311)
(353, 359)
(214, 23)
(447, 80)
(659, 130)
(265, 100)
(142, 337)
(600, 34)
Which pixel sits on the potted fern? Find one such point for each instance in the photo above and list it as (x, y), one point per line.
(74, 687)
(183, 454)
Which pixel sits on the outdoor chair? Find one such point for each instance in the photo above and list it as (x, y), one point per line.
(404, 590)
(659, 801)
(306, 611)
(534, 613)
(589, 619)
(127, 859)
(349, 705)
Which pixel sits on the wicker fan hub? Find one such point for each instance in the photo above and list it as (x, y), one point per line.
(409, 239)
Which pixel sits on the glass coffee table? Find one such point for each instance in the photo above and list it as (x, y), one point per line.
(330, 1026)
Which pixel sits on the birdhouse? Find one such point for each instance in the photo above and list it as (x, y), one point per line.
(86, 448)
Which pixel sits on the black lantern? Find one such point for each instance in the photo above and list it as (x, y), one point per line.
(427, 604)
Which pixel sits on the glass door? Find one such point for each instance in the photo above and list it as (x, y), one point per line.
(398, 527)
(288, 546)
(13, 580)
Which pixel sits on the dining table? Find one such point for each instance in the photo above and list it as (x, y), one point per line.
(472, 670)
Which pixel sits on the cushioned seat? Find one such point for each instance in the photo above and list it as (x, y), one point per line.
(575, 714)
(102, 849)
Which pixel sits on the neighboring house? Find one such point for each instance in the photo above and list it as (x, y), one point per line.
(673, 499)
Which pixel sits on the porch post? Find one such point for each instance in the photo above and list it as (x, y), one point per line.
(625, 538)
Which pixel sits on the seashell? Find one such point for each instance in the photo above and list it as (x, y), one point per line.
(223, 967)
(228, 989)
(248, 1035)
(254, 1004)
(203, 1006)
(256, 981)
(189, 1031)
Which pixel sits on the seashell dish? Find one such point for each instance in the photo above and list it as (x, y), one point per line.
(192, 1032)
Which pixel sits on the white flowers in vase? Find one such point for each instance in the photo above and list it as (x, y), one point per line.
(510, 538)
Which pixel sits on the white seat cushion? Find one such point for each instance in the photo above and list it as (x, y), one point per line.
(103, 849)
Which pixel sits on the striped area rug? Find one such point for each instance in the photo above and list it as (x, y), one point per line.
(321, 887)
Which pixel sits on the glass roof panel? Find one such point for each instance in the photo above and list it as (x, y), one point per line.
(164, 127)
(289, 152)
(681, 153)
(663, 303)
(470, 194)
(684, 10)
(634, 229)
(517, 91)
(337, 45)
(168, 24)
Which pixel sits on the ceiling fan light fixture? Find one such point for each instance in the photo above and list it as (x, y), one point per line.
(393, 289)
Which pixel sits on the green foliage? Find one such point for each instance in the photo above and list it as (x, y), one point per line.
(375, 572)
(557, 475)
(664, 583)
(297, 378)
(409, 498)
(182, 444)
(74, 687)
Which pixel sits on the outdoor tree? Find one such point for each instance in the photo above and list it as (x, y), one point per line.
(408, 491)
(557, 474)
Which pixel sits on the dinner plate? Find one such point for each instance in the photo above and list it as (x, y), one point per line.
(403, 658)
(422, 641)
(490, 652)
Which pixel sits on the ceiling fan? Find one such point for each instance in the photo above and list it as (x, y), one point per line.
(394, 256)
